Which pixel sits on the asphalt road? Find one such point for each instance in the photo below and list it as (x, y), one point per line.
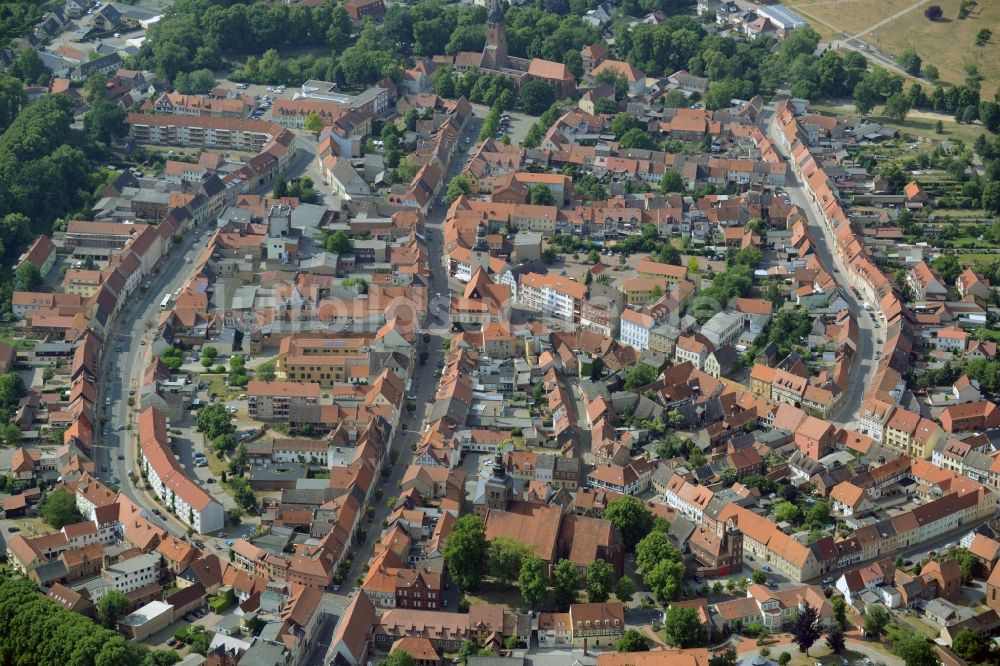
(864, 366)
(116, 455)
(423, 388)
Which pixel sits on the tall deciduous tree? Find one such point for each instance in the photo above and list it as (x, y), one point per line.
(876, 620)
(466, 552)
(565, 582)
(600, 580)
(914, 649)
(632, 641)
(506, 557)
(60, 509)
(632, 519)
(533, 580)
(110, 608)
(683, 627)
(625, 589)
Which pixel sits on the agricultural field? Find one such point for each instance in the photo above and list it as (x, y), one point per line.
(831, 18)
(948, 44)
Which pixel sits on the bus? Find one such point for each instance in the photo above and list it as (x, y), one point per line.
(165, 303)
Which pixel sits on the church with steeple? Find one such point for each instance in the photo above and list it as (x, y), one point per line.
(496, 60)
(495, 51)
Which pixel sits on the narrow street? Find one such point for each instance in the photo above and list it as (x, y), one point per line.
(423, 387)
(123, 361)
(864, 366)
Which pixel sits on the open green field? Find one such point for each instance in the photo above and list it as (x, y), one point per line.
(948, 44)
(830, 18)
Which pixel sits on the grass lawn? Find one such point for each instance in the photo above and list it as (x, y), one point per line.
(970, 258)
(489, 592)
(32, 526)
(217, 385)
(215, 464)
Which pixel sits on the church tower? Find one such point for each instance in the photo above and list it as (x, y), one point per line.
(495, 52)
(499, 487)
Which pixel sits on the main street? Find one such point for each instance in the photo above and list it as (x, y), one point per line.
(869, 337)
(423, 387)
(123, 361)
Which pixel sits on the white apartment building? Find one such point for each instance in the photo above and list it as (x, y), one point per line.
(689, 348)
(635, 328)
(555, 296)
(131, 574)
(185, 498)
(723, 328)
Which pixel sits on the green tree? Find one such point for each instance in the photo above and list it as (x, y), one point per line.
(13, 98)
(624, 123)
(537, 95)
(637, 138)
(215, 420)
(839, 610)
(265, 371)
(876, 620)
(866, 96)
(541, 195)
(313, 123)
(280, 188)
(467, 552)
(243, 494)
(37, 631)
(784, 658)
(639, 376)
(947, 267)
(59, 509)
(198, 82)
(632, 641)
(339, 242)
(758, 577)
(682, 628)
(506, 558)
(665, 580)
(11, 434)
(399, 658)
(625, 589)
(805, 630)
(456, 188)
(533, 580)
(600, 581)
(972, 646)
(671, 182)
(788, 512)
(909, 61)
(28, 277)
(835, 639)
(110, 608)
(630, 517)
(727, 658)
(897, 106)
(991, 197)
(565, 583)
(652, 548)
(913, 649)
